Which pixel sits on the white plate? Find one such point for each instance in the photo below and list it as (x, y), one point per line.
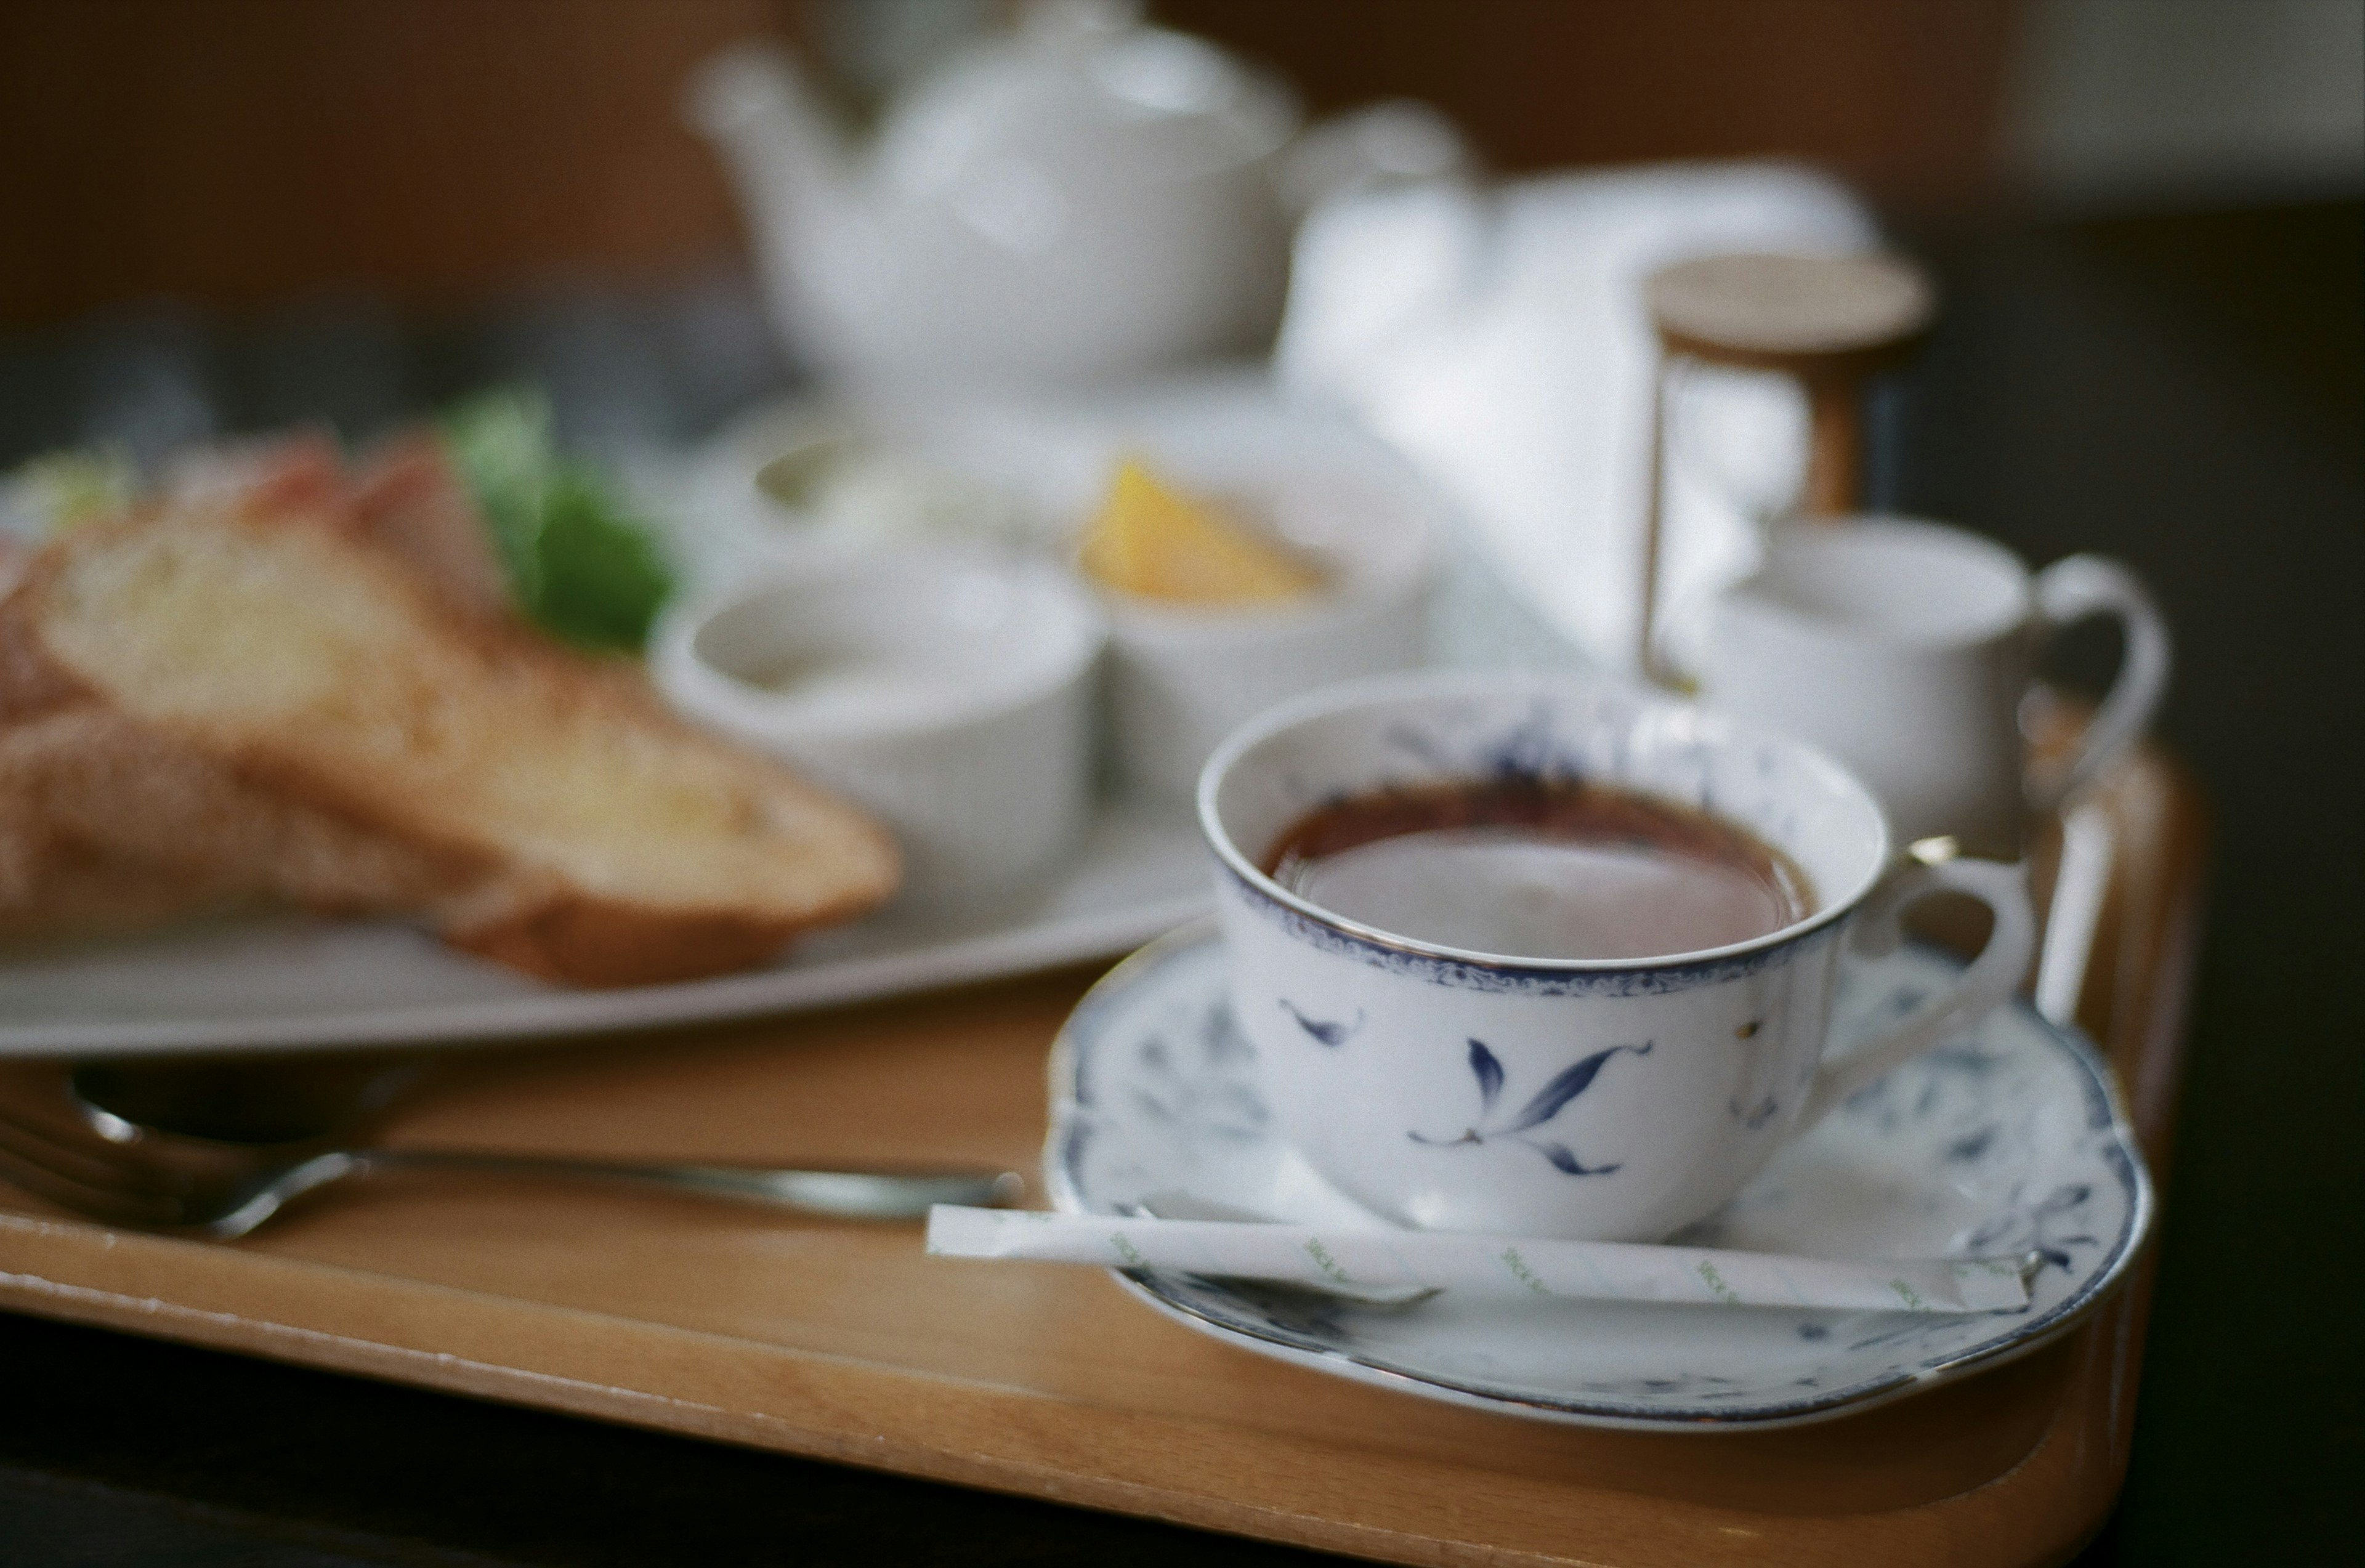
(293, 983)
(2008, 1140)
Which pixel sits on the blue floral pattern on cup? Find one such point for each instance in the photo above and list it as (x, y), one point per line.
(1329, 1032)
(1541, 1107)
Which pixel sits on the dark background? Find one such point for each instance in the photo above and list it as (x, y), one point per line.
(354, 209)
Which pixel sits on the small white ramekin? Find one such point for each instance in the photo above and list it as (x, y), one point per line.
(975, 746)
(1183, 676)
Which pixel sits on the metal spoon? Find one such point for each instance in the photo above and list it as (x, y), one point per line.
(66, 1148)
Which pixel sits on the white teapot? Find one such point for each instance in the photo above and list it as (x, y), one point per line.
(1082, 199)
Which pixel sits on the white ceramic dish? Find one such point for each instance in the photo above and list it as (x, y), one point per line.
(946, 691)
(807, 478)
(2008, 1139)
(812, 477)
(1180, 679)
(1079, 199)
(295, 983)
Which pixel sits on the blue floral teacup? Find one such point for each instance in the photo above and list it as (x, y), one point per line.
(1611, 1099)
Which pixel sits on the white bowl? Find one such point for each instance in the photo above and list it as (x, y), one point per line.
(1181, 677)
(809, 478)
(948, 692)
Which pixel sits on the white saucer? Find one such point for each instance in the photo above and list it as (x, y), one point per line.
(2008, 1140)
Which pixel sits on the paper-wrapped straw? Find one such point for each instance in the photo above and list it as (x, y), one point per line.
(1372, 1264)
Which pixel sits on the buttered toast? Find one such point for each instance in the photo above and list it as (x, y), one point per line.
(251, 699)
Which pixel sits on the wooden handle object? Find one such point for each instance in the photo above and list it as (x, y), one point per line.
(1831, 321)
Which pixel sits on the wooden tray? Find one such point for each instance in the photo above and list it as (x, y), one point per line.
(847, 1343)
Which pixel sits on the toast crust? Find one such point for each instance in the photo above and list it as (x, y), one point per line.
(590, 942)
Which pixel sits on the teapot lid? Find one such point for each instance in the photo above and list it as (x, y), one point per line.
(1082, 86)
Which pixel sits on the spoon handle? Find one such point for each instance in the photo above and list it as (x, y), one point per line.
(843, 1195)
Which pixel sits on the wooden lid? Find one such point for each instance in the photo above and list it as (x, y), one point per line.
(1808, 315)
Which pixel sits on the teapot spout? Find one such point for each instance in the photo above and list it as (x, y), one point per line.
(752, 102)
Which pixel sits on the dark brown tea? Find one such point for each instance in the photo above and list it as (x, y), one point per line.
(1540, 869)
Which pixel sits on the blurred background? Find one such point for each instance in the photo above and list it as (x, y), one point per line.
(2145, 216)
(246, 155)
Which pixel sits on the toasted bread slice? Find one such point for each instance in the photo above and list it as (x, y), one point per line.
(112, 822)
(276, 694)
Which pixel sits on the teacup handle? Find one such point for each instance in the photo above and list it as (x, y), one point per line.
(1986, 983)
(2068, 591)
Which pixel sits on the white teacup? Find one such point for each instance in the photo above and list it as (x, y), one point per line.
(1613, 1100)
(1905, 648)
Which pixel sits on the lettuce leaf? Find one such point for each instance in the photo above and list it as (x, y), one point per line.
(580, 563)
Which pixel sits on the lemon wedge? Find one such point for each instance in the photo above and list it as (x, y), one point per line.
(1152, 539)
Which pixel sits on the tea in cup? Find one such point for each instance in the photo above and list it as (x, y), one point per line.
(1905, 649)
(1535, 956)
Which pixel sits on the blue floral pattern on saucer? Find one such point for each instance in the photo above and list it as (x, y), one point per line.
(2008, 1139)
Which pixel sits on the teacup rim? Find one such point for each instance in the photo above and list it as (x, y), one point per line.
(1369, 690)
